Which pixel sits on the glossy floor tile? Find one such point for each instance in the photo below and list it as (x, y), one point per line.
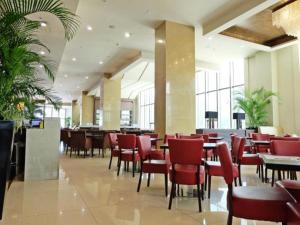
(87, 193)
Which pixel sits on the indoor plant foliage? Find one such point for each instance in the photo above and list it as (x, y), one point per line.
(254, 104)
(19, 64)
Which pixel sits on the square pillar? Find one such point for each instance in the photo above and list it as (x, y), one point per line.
(75, 113)
(87, 109)
(111, 103)
(175, 79)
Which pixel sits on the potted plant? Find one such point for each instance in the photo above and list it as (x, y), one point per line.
(254, 104)
(19, 66)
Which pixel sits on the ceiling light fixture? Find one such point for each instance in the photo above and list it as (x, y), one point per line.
(66, 75)
(101, 62)
(43, 24)
(287, 18)
(41, 66)
(74, 59)
(210, 38)
(78, 87)
(42, 52)
(160, 41)
(127, 35)
(86, 77)
(89, 28)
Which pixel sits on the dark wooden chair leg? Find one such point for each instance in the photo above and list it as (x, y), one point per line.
(148, 181)
(109, 166)
(209, 186)
(202, 191)
(273, 177)
(133, 168)
(171, 195)
(205, 182)
(199, 197)
(140, 180)
(166, 184)
(119, 166)
(240, 176)
(229, 219)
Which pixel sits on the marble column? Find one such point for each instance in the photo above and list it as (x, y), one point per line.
(75, 113)
(174, 79)
(111, 103)
(87, 109)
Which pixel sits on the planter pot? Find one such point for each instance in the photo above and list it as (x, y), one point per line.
(6, 143)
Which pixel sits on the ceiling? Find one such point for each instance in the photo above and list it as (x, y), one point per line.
(259, 29)
(105, 49)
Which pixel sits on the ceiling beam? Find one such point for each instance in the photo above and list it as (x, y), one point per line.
(232, 17)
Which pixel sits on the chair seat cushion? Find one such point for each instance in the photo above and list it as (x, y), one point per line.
(156, 166)
(214, 168)
(293, 213)
(127, 156)
(251, 159)
(260, 203)
(186, 174)
(292, 186)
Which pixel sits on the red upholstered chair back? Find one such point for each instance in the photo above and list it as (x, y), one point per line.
(151, 135)
(186, 151)
(144, 146)
(187, 137)
(285, 138)
(232, 136)
(205, 137)
(167, 137)
(226, 162)
(261, 137)
(126, 141)
(285, 148)
(112, 139)
(238, 147)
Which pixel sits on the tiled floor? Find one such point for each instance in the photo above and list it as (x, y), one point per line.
(87, 193)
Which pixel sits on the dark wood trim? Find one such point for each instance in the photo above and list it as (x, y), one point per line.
(279, 40)
(283, 5)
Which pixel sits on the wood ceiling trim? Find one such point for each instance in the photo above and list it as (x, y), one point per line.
(283, 5)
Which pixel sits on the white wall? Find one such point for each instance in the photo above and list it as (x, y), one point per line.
(278, 71)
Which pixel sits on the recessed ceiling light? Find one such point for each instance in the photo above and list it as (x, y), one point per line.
(86, 77)
(42, 52)
(66, 75)
(101, 62)
(127, 34)
(78, 87)
(89, 28)
(43, 24)
(242, 46)
(210, 38)
(74, 59)
(41, 66)
(160, 41)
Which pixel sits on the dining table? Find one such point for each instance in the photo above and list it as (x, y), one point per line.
(206, 147)
(280, 163)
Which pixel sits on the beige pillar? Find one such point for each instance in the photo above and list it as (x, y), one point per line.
(87, 109)
(111, 100)
(75, 113)
(174, 78)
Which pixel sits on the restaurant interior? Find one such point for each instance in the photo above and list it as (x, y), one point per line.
(135, 112)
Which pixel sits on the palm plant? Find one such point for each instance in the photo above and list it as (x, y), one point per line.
(254, 104)
(19, 64)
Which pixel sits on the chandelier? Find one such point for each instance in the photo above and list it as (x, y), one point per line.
(288, 18)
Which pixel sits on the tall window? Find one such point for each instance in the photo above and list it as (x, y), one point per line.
(215, 91)
(146, 109)
(64, 113)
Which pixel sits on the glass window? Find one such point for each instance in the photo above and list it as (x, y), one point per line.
(216, 90)
(147, 108)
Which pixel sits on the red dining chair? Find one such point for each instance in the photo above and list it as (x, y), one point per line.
(292, 186)
(186, 159)
(150, 163)
(293, 214)
(261, 137)
(152, 135)
(253, 203)
(113, 145)
(167, 137)
(241, 157)
(127, 151)
(208, 153)
(285, 148)
(214, 168)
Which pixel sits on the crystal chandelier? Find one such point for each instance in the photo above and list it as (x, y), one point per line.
(288, 18)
